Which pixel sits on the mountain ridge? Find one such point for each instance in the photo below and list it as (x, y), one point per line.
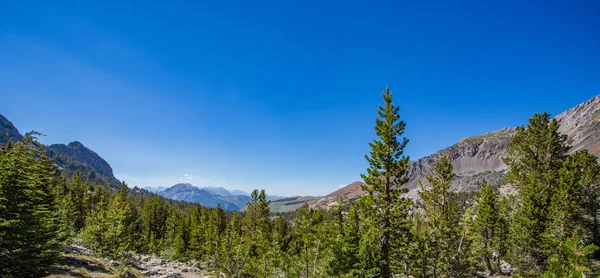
(478, 158)
(206, 197)
(71, 158)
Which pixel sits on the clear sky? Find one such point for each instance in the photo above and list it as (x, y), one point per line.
(282, 95)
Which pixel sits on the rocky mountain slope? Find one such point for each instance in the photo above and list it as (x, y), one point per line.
(72, 158)
(8, 131)
(76, 157)
(479, 158)
(349, 191)
(206, 197)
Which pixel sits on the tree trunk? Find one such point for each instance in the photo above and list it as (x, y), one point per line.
(499, 265)
(316, 257)
(488, 266)
(385, 243)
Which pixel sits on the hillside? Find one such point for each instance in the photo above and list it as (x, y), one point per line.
(289, 203)
(71, 158)
(479, 158)
(8, 131)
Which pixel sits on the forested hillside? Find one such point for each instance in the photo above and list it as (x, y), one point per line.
(548, 228)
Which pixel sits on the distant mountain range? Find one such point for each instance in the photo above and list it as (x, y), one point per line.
(71, 158)
(207, 196)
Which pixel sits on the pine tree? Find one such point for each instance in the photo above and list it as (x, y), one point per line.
(441, 219)
(182, 243)
(485, 224)
(198, 239)
(420, 248)
(464, 259)
(385, 176)
(351, 241)
(96, 232)
(78, 190)
(234, 247)
(258, 232)
(123, 218)
(155, 215)
(535, 155)
(280, 246)
(217, 224)
(501, 240)
(29, 221)
(574, 261)
(311, 238)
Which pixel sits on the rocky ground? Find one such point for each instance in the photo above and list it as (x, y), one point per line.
(80, 262)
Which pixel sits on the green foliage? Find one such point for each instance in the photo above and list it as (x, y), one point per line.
(441, 220)
(485, 226)
(575, 204)
(29, 222)
(574, 260)
(155, 214)
(535, 155)
(385, 175)
(257, 228)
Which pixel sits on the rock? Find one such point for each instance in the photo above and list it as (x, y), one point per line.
(79, 249)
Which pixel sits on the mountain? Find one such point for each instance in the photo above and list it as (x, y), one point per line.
(479, 158)
(75, 157)
(290, 203)
(190, 193)
(155, 189)
(218, 190)
(350, 191)
(71, 158)
(239, 192)
(8, 130)
(79, 152)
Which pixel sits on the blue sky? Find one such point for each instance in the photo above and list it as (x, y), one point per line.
(282, 95)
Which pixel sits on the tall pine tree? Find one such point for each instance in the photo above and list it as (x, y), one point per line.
(535, 155)
(385, 176)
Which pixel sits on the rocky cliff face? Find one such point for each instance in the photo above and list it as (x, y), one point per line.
(476, 159)
(582, 124)
(479, 158)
